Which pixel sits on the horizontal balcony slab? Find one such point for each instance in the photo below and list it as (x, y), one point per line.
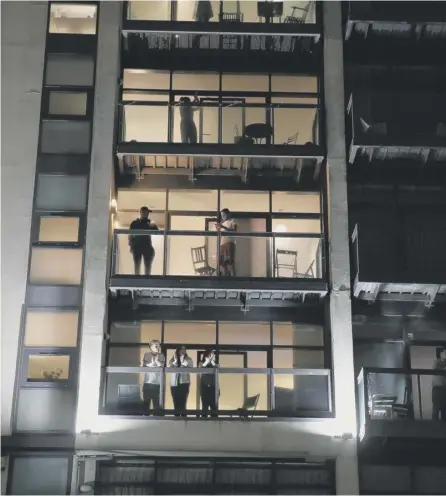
(205, 288)
(223, 28)
(404, 429)
(409, 292)
(221, 150)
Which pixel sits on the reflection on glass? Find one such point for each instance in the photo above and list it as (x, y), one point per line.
(387, 395)
(146, 123)
(293, 202)
(66, 18)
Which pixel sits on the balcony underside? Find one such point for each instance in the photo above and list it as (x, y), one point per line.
(366, 28)
(404, 429)
(378, 153)
(202, 291)
(425, 293)
(302, 170)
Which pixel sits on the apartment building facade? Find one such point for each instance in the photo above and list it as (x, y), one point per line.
(326, 327)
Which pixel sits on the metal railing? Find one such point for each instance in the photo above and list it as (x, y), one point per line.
(237, 391)
(221, 119)
(395, 394)
(199, 253)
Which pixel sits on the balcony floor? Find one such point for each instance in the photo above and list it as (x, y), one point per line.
(404, 429)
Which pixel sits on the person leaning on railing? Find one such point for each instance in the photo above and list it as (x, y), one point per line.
(439, 387)
(152, 380)
(207, 384)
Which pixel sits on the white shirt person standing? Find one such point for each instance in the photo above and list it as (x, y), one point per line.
(152, 380)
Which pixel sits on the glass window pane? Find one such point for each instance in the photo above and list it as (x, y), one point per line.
(284, 358)
(312, 226)
(56, 266)
(67, 103)
(65, 137)
(39, 475)
(294, 124)
(51, 328)
(46, 410)
(204, 200)
(59, 229)
(245, 201)
(244, 333)
(141, 332)
(207, 11)
(61, 192)
(190, 332)
(195, 81)
(245, 82)
(149, 10)
(146, 123)
(68, 18)
(287, 83)
(64, 69)
(293, 202)
(46, 368)
(143, 79)
(289, 334)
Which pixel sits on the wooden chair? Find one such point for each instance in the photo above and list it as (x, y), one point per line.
(200, 261)
(286, 260)
(250, 404)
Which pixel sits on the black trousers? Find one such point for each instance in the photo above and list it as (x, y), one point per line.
(208, 402)
(180, 393)
(148, 255)
(151, 396)
(439, 403)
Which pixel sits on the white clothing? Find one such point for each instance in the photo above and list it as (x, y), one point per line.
(149, 361)
(177, 378)
(229, 224)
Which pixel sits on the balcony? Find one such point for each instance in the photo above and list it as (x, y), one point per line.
(389, 126)
(396, 403)
(301, 18)
(399, 260)
(413, 21)
(238, 393)
(281, 268)
(231, 131)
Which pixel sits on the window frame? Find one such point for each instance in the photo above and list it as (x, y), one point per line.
(46, 97)
(69, 383)
(36, 222)
(74, 2)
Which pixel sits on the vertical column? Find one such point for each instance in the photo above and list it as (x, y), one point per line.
(46, 376)
(98, 223)
(340, 301)
(23, 56)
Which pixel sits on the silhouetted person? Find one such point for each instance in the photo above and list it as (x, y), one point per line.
(180, 381)
(141, 244)
(208, 385)
(439, 387)
(227, 243)
(203, 11)
(187, 124)
(152, 380)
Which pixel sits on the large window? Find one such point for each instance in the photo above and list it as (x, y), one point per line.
(209, 107)
(286, 12)
(260, 366)
(279, 234)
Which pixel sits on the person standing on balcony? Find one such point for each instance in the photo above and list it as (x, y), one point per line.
(208, 384)
(141, 244)
(180, 381)
(187, 124)
(439, 387)
(227, 243)
(152, 380)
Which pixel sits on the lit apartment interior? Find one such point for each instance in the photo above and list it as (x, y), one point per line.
(257, 254)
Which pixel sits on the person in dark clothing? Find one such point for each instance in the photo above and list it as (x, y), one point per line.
(207, 384)
(180, 381)
(439, 387)
(187, 124)
(141, 245)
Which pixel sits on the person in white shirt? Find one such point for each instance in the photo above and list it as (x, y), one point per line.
(180, 381)
(227, 243)
(439, 387)
(152, 380)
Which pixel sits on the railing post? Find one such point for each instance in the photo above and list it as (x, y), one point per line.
(217, 386)
(114, 249)
(218, 253)
(420, 405)
(164, 253)
(272, 398)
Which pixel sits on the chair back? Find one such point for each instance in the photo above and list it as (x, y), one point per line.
(250, 402)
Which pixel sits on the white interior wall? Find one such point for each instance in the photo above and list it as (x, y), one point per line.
(23, 51)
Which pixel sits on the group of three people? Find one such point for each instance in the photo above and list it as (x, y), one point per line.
(141, 246)
(179, 381)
